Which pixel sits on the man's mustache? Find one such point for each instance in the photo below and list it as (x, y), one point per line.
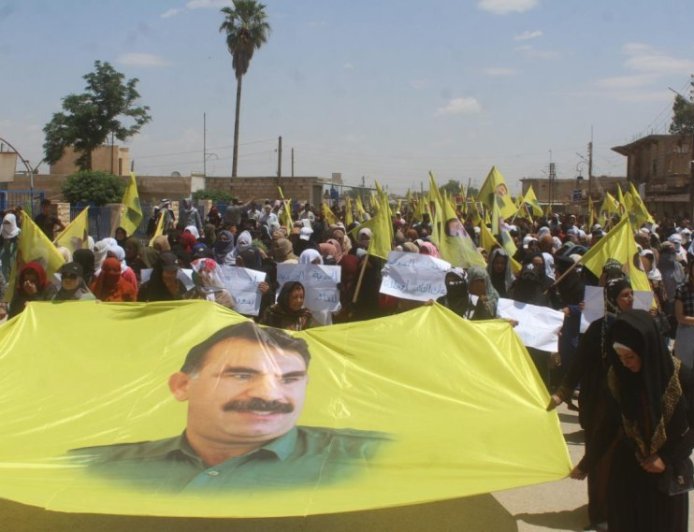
(258, 405)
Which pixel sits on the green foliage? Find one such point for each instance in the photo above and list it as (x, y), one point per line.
(98, 188)
(246, 29)
(220, 196)
(90, 118)
(452, 187)
(683, 114)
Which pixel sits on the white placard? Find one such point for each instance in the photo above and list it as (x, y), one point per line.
(242, 284)
(414, 276)
(595, 304)
(537, 327)
(321, 292)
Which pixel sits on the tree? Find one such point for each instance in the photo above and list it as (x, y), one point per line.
(88, 119)
(98, 188)
(246, 30)
(682, 115)
(452, 187)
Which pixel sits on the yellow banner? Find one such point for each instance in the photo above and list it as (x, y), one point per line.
(132, 214)
(75, 235)
(371, 422)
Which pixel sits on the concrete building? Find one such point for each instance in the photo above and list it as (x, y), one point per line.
(108, 158)
(659, 165)
(571, 195)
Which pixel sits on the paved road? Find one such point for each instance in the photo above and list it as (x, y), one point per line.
(553, 506)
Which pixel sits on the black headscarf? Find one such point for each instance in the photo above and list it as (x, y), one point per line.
(457, 296)
(651, 400)
(85, 258)
(528, 288)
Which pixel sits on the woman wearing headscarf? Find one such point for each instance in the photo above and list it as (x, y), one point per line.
(283, 252)
(289, 311)
(589, 369)
(223, 247)
(539, 264)
(648, 423)
(252, 258)
(32, 285)
(427, 248)
(163, 284)
(328, 251)
(457, 297)
(127, 272)
(85, 258)
(480, 286)
(110, 286)
(684, 313)
(349, 271)
(310, 256)
(72, 285)
(8, 244)
(133, 257)
(673, 275)
(571, 288)
(209, 283)
(500, 271)
(120, 235)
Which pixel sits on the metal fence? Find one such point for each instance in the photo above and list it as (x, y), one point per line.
(9, 199)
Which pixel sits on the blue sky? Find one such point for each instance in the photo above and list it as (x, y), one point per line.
(383, 89)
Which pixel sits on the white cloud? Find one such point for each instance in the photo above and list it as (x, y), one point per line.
(499, 72)
(645, 58)
(460, 106)
(171, 12)
(527, 35)
(206, 4)
(648, 67)
(626, 82)
(503, 7)
(139, 59)
(529, 51)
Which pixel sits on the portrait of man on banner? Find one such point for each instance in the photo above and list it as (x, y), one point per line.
(245, 388)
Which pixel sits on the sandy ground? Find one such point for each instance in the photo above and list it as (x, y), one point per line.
(553, 506)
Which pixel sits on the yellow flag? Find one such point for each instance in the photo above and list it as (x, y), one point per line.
(286, 214)
(159, 230)
(328, 214)
(495, 191)
(382, 226)
(131, 216)
(349, 217)
(76, 234)
(637, 209)
(610, 205)
(488, 241)
(530, 199)
(361, 212)
(102, 434)
(33, 246)
(618, 244)
(620, 200)
(449, 234)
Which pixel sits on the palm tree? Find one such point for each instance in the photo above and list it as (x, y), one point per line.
(246, 29)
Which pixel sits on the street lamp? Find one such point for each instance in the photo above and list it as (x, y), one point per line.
(30, 170)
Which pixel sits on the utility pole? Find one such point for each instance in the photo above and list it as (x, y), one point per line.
(279, 157)
(590, 165)
(204, 144)
(552, 178)
(292, 162)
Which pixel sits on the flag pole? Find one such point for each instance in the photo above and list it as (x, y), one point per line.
(361, 278)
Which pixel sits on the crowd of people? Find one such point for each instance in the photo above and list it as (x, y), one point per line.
(635, 400)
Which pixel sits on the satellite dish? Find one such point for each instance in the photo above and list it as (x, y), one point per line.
(175, 173)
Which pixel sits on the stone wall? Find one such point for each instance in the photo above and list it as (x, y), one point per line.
(301, 189)
(153, 188)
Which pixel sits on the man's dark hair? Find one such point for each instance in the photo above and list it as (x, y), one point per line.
(274, 338)
(45, 202)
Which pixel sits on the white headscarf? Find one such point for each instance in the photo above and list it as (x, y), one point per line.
(9, 226)
(193, 231)
(309, 255)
